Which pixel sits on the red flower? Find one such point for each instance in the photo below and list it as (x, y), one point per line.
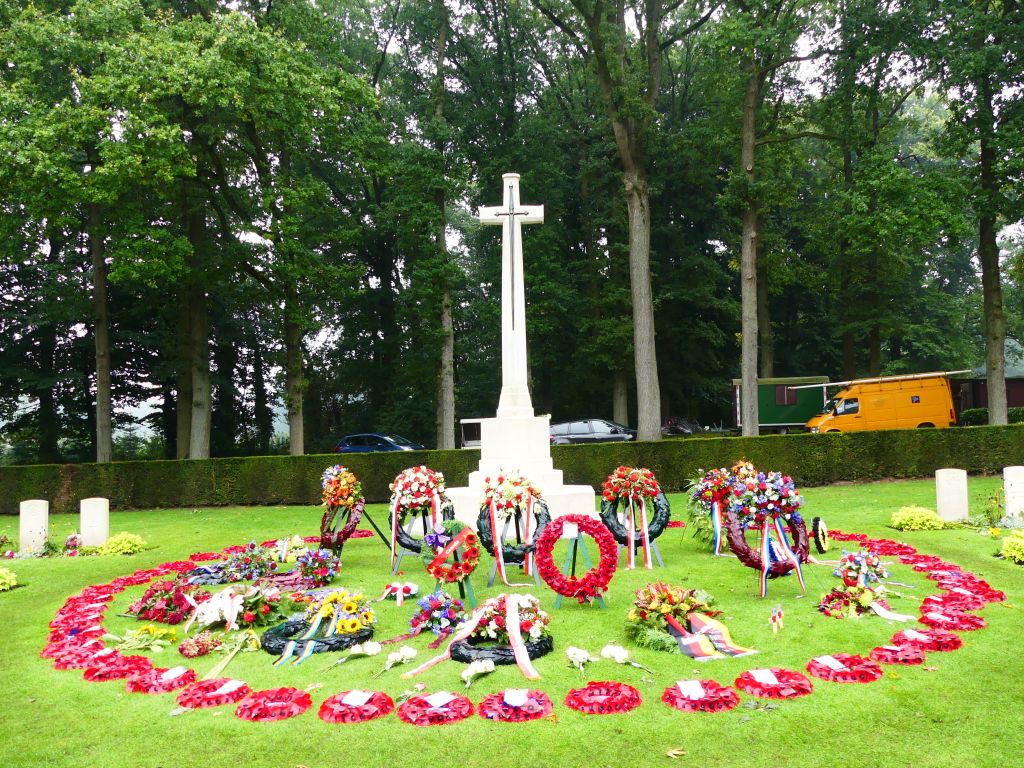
(248, 617)
(264, 609)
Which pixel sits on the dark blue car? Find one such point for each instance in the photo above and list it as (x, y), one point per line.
(375, 442)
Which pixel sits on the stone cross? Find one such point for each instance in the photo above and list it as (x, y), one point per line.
(515, 395)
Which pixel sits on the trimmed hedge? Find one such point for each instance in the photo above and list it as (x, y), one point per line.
(267, 480)
(976, 417)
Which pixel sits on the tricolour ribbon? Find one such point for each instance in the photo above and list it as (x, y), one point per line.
(697, 647)
(394, 529)
(645, 538)
(789, 553)
(716, 524)
(718, 633)
(766, 556)
(498, 537)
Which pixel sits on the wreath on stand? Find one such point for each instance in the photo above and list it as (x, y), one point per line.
(342, 496)
(636, 488)
(419, 490)
(513, 553)
(594, 582)
(442, 543)
(490, 638)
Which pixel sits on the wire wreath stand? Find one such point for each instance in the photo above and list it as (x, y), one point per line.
(577, 546)
(517, 520)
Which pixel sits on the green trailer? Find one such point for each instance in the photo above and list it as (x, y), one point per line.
(780, 408)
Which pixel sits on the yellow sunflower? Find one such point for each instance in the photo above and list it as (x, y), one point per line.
(352, 625)
(350, 607)
(368, 617)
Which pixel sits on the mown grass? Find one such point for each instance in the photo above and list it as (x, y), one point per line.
(961, 708)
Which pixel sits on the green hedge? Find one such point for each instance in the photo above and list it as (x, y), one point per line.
(265, 480)
(976, 417)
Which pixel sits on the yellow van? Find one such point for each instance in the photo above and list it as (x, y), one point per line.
(889, 402)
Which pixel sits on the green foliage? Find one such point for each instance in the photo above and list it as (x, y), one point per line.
(1012, 548)
(122, 544)
(916, 519)
(971, 417)
(8, 579)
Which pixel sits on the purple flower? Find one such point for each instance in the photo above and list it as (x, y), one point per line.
(438, 538)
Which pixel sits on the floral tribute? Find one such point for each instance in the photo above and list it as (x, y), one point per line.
(260, 608)
(848, 602)
(341, 488)
(348, 612)
(356, 707)
(436, 709)
(862, 567)
(251, 563)
(774, 683)
(932, 640)
(200, 645)
(275, 704)
(213, 693)
(638, 488)
(508, 492)
(438, 612)
(515, 705)
(318, 565)
(594, 582)
(603, 698)
(630, 483)
(533, 622)
(897, 654)
(700, 696)
(166, 602)
(448, 537)
(161, 680)
(709, 495)
(764, 495)
(844, 668)
(660, 614)
(416, 488)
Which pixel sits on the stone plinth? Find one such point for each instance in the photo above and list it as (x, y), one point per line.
(1013, 490)
(95, 522)
(33, 525)
(951, 494)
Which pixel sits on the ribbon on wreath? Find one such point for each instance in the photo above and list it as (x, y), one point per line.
(527, 539)
(716, 525)
(499, 545)
(398, 589)
(698, 647)
(466, 629)
(645, 538)
(395, 505)
(775, 525)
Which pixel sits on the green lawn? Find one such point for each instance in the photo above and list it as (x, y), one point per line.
(961, 708)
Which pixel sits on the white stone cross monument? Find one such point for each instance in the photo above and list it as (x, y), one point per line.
(516, 439)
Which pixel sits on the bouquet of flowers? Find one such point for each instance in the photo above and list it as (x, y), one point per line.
(416, 487)
(252, 562)
(439, 612)
(72, 544)
(318, 565)
(200, 645)
(848, 602)
(165, 602)
(508, 491)
(350, 612)
(862, 567)
(533, 622)
(655, 605)
(631, 483)
(260, 608)
(341, 488)
(766, 494)
(743, 470)
(713, 486)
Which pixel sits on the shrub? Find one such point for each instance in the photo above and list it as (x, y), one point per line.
(916, 519)
(8, 580)
(976, 417)
(1012, 548)
(122, 544)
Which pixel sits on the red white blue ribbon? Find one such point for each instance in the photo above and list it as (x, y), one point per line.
(789, 553)
(645, 538)
(394, 529)
(716, 524)
(499, 546)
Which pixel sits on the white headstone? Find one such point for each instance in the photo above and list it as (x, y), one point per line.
(951, 494)
(95, 522)
(1013, 490)
(34, 525)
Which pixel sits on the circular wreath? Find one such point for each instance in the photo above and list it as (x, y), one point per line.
(334, 710)
(655, 526)
(961, 622)
(61, 648)
(158, 680)
(87, 656)
(273, 704)
(592, 583)
(468, 651)
(494, 707)
(716, 698)
(889, 548)
(415, 487)
(897, 654)
(206, 693)
(418, 711)
(929, 641)
(274, 639)
(513, 553)
(454, 572)
(975, 585)
(752, 558)
(603, 698)
(335, 539)
(820, 532)
(412, 543)
(117, 669)
(957, 602)
(858, 669)
(790, 684)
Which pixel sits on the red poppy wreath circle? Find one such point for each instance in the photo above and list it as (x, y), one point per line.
(594, 582)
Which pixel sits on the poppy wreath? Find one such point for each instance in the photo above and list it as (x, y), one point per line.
(656, 526)
(330, 537)
(418, 711)
(213, 693)
(603, 698)
(933, 640)
(513, 553)
(160, 680)
(790, 684)
(961, 622)
(274, 640)
(751, 558)
(494, 707)
(335, 710)
(404, 538)
(889, 548)
(117, 668)
(958, 602)
(858, 669)
(898, 654)
(273, 704)
(972, 584)
(454, 536)
(83, 658)
(716, 698)
(594, 582)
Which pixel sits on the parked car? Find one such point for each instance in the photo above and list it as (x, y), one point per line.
(590, 431)
(375, 442)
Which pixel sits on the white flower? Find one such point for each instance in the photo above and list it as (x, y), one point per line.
(535, 631)
(616, 653)
(393, 658)
(407, 652)
(476, 668)
(578, 657)
(369, 648)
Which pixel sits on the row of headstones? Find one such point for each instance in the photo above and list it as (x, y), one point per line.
(34, 523)
(951, 493)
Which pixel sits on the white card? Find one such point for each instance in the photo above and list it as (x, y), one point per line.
(173, 673)
(356, 698)
(691, 689)
(570, 531)
(764, 676)
(892, 647)
(439, 699)
(101, 654)
(936, 616)
(962, 591)
(913, 634)
(516, 697)
(229, 687)
(831, 662)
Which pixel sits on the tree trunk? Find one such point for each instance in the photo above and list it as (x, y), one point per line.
(293, 383)
(849, 355)
(263, 419)
(748, 266)
(46, 418)
(183, 431)
(766, 340)
(875, 351)
(198, 334)
(446, 377)
(988, 255)
(620, 398)
(101, 333)
(648, 393)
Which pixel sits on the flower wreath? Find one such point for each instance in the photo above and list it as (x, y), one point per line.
(496, 707)
(117, 667)
(862, 567)
(957, 602)
(274, 704)
(594, 582)
(603, 698)
(515, 553)
(342, 494)
(439, 612)
(447, 538)
(714, 698)
(636, 488)
(173, 608)
(897, 654)
(161, 680)
(490, 637)
(788, 684)
(335, 710)
(660, 614)
(844, 668)
(318, 565)
(847, 602)
(418, 711)
(961, 622)
(508, 492)
(213, 693)
(930, 640)
(709, 494)
(337, 620)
